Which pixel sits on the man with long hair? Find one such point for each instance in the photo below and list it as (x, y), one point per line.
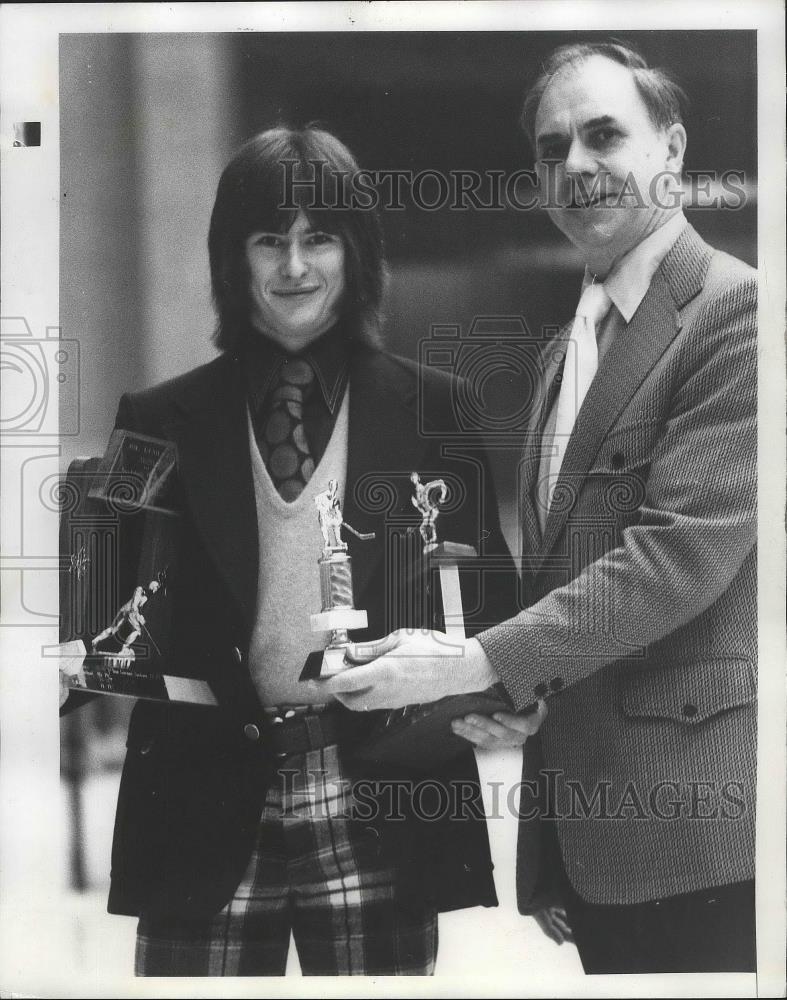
(239, 824)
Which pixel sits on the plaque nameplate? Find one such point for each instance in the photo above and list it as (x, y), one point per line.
(113, 674)
(137, 471)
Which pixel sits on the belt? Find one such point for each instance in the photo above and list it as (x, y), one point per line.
(301, 728)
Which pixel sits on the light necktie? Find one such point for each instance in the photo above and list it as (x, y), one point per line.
(282, 438)
(579, 370)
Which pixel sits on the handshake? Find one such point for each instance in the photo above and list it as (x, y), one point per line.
(416, 667)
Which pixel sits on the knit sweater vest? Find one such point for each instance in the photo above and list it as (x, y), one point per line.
(288, 583)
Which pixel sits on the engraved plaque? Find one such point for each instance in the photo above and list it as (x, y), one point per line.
(137, 471)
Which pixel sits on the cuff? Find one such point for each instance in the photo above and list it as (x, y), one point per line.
(512, 649)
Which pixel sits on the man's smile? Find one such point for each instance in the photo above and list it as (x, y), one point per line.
(289, 292)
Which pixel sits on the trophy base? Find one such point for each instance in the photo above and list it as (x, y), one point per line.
(324, 663)
(121, 676)
(333, 661)
(336, 618)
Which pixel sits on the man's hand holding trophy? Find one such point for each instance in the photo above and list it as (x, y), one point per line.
(437, 685)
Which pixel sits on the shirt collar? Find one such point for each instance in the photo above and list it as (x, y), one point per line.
(261, 358)
(629, 280)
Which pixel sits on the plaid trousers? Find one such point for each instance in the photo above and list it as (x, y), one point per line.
(308, 873)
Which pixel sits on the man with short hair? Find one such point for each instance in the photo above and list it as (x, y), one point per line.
(639, 511)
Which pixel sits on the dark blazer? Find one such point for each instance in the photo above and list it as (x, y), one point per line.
(642, 628)
(193, 785)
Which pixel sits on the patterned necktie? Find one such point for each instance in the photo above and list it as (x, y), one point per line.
(282, 438)
(579, 370)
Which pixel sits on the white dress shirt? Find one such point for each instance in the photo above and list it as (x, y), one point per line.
(626, 284)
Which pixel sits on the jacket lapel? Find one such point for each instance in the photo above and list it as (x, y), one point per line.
(214, 466)
(630, 359)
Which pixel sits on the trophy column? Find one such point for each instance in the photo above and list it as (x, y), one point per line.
(446, 555)
(338, 614)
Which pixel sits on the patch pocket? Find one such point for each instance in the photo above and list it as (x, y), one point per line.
(619, 473)
(689, 694)
(628, 447)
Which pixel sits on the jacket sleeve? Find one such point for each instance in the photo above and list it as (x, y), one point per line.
(128, 417)
(696, 525)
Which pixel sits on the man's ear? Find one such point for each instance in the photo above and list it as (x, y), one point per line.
(676, 147)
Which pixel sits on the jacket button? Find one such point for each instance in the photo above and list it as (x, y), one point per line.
(540, 690)
(251, 732)
(556, 684)
(146, 747)
(237, 655)
(689, 710)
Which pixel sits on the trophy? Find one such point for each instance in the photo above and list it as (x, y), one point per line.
(130, 648)
(420, 735)
(113, 665)
(338, 613)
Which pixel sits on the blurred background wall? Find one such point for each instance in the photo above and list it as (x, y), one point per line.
(148, 121)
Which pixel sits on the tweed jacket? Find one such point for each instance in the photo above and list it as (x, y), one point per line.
(641, 625)
(193, 786)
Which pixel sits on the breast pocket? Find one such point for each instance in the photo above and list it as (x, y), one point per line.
(619, 472)
(628, 446)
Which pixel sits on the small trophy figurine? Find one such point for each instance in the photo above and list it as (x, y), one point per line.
(338, 613)
(113, 666)
(129, 624)
(428, 507)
